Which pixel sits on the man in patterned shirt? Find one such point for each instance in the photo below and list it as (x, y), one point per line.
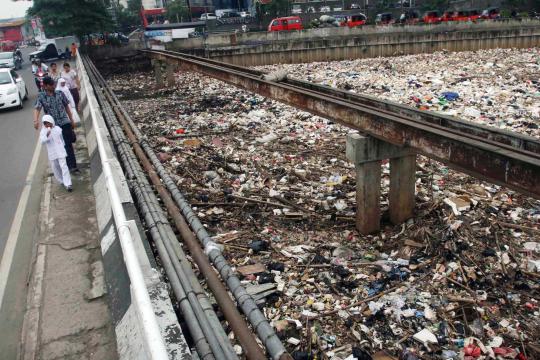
(54, 103)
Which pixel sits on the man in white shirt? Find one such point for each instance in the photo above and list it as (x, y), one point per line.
(72, 82)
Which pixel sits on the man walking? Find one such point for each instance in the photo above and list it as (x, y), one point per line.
(54, 103)
(72, 81)
(54, 73)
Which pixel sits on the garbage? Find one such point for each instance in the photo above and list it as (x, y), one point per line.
(275, 189)
(450, 95)
(426, 337)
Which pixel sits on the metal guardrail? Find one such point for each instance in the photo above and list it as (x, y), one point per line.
(154, 342)
(500, 157)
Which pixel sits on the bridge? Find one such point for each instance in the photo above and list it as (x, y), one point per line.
(173, 292)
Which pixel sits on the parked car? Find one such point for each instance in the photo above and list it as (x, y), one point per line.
(384, 19)
(474, 15)
(54, 48)
(447, 16)
(491, 13)
(325, 9)
(286, 24)
(296, 9)
(355, 6)
(10, 60)
(47, 52)
(208, 16)
(460, 16)
(13, 90)
(351, 20)
(7, 45)
(431, 17)
(229, 14)
(244, 14)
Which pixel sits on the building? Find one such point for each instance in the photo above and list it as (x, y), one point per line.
(14, 30)
(147, 4)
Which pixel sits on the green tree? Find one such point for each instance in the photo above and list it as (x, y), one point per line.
(134, 6)
(127, 20)
(177, 10)
(72, 17)
(440, 5)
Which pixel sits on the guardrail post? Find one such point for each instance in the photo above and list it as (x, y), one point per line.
(158, 72)
(367, 153)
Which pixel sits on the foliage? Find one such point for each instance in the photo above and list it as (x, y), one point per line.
(177, 11)
(127, 20)
(72, 17)
(440, 5)
(134, 6)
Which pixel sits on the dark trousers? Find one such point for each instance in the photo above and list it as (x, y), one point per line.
(38, 84)
(75, 93)
(69, 138)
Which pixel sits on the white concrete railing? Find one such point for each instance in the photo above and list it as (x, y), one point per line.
(154, 342)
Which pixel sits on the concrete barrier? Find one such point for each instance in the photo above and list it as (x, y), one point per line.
(129, 325)
(330, 44)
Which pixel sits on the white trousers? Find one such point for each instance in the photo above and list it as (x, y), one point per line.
(75, 115)
(61, 171)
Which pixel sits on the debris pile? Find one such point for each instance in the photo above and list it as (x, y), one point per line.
(458, 281)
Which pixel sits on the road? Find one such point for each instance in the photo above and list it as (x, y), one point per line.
(21, 181)
(17, 143)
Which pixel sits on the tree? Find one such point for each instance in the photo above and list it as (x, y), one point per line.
(177, 10)
(72, 17)
(127, 20)
(134, 6)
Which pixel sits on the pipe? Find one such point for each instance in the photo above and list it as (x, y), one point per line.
(235, 320)
(154, 342)
(161, 230)
(257, 319)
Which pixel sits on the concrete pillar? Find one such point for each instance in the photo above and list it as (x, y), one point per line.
(169, 74)
(158, 73)
(401, 193)
(368, 197)
(366, 153)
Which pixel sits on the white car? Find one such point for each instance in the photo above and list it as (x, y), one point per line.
(245, 14)
(13, 90)
(208, 16)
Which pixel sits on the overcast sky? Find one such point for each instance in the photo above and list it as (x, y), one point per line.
(13, 9)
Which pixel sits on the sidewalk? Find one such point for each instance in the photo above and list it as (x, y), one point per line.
(67, 311)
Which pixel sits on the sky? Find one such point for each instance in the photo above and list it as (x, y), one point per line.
(13, 9)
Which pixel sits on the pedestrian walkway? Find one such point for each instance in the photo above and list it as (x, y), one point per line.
(67, 313)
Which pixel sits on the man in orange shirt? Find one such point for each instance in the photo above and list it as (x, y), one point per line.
(73, 50)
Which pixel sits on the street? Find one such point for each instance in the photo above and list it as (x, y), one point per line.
(17, 142)
(21, 178)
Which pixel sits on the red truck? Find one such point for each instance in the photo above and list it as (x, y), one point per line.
(431, 17)
(351, 20)
(286, 24)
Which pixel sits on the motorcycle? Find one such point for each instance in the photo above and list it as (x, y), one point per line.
(38, 77)
(18, 62)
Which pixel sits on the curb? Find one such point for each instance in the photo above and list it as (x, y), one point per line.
(32, 318)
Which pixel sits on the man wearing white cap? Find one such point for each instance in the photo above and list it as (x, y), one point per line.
(51, 135)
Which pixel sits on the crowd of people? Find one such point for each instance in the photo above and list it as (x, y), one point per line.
(58, 98)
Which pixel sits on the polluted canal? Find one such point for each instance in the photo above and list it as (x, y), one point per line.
(273, 186)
